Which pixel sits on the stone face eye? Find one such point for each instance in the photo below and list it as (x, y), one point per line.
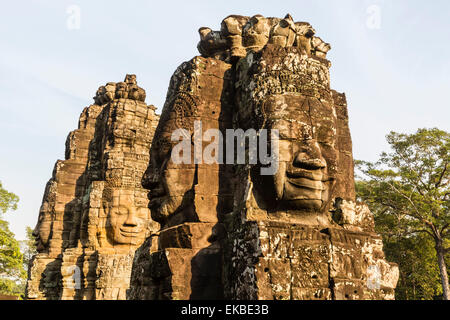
(119, 211)
(162, 150)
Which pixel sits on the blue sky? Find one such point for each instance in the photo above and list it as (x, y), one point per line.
(396, 77)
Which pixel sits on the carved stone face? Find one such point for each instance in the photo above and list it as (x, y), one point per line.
(307, 150)
(181, 190)
(42, 231)
(169, 183)
(127, 219)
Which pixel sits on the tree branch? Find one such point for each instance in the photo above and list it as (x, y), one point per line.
(421, 231)
(419, 216)
(442, 175)
(407, 163)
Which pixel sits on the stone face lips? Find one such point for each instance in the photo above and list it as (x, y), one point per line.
(94, 211)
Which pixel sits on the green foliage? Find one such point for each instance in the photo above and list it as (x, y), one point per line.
(29, 248)
(419, 273)
(408, 190)
(12, 273)
(11, 287)
(8, 200)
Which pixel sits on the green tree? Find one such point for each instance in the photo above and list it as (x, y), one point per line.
(12, 272)
(408, 190)
(28, 248)
(8, 200)
(415, 254)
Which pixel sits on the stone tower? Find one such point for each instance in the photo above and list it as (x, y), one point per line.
(297, 233)
(94, 213)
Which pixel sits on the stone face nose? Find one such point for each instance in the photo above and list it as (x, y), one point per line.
(303, 162)
(310, 157)
(131, 219)
(154, 181)
(151, 178)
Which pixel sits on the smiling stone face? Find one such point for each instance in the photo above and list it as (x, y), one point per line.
(127, 220)
(285, 90)
(171, 184)
(307, 154)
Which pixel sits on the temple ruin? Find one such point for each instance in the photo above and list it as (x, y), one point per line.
(94, 212)
(121, 220)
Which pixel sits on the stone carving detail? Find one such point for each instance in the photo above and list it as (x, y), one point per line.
(95, 212)
(128, 89)
(239, 35)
